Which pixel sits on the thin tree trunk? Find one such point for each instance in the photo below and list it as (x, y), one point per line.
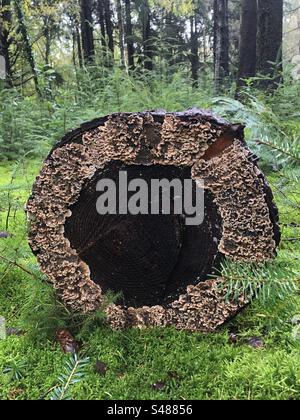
(74, 49)
(87, 31)
(248, 32)
(146, 30)
(27, 45)
(194, 50)
(129, 35)
(47, 44)
(204, 43)
(79, 47)
(121, 32)
(109, 25)
(221, 43)
(269, 45)
(168, 53)
(101, 19)
(5, 28)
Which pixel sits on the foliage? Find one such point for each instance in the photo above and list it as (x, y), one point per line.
(30, 126)
(15, 369)
(270, 134)
(268, 281)
(192, 366)
(74, 372)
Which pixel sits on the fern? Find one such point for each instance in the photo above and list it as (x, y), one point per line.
(270, 137)
(74, 372)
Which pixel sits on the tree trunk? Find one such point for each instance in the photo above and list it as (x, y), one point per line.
(109, 25)
(47, 35)
(269, 43)
(157, 262)
(204, 35)
(194, 50)
(87, 31)
(121, 32)
(169, 52)
(101, 19)
(5, 41)
(147, 35)
(221, 43)
(129, 35)
(74, 43)
(79, 47)
(248, 32)
(27, 45)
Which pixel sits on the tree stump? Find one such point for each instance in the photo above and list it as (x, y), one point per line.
(159, 267)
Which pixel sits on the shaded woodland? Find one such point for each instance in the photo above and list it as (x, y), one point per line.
(233, 39)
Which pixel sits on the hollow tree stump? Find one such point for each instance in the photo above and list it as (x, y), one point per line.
(159, 267)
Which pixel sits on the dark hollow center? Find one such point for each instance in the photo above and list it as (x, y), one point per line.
(146, 259)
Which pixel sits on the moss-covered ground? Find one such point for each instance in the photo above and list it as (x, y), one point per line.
(224, 365)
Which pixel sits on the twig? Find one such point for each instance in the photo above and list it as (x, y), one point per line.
(7, 217)
(291, 239)
(18, 265)
(290, 225)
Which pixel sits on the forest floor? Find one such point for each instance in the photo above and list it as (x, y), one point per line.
(255, 356)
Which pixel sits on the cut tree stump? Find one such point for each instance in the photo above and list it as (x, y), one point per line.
(160, 268)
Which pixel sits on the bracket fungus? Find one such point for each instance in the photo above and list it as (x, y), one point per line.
(159, 267)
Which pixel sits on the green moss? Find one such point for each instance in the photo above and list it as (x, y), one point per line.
(192, 366)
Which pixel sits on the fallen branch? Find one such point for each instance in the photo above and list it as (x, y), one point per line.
(291, 239)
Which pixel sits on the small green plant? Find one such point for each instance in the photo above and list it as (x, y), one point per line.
(74, 371)
(268, 134)
(267, 281)
(15, 369)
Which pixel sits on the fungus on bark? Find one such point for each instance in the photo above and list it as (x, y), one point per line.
(159, 267)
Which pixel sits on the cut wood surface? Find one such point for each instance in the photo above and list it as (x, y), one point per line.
(160, 268)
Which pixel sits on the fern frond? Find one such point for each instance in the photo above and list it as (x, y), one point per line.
(267, 281)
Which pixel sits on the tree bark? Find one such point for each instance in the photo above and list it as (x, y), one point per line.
(74, 43)
(269, 42)
(121, 32)
(248, 33)
(79, 47)
(129, 36)
(27, 45)
(5, 41)
(48, 40)
(221, 43)
(147, 35)
(109, 25)
(101, 20)
(194, 50)
(87, 31)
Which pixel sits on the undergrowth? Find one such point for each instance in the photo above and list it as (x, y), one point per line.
(224, 365)
(190, 366)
